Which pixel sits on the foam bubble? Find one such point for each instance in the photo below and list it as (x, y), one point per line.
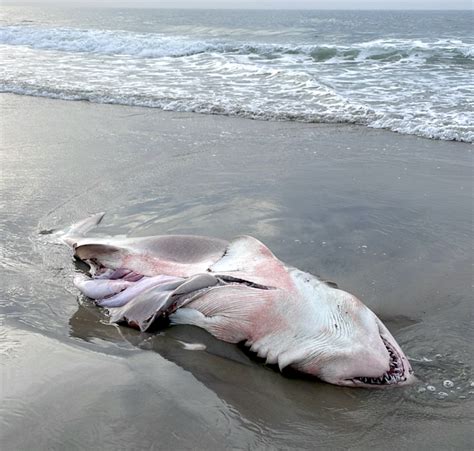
(448, 384)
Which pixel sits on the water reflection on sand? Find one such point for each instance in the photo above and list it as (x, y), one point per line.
(389, 219)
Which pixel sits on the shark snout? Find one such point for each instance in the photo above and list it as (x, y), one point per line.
(373, 362)
(371, 356)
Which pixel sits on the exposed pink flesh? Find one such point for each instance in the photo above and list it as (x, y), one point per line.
(136, 288)
(161, 300)
(99, 288)
(133, 276)
(112, 273)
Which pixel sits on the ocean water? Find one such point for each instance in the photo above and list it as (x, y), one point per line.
(409, 72)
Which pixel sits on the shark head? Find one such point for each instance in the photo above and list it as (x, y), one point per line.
(347, 344)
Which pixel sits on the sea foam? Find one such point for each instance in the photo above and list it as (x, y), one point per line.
(412, 86)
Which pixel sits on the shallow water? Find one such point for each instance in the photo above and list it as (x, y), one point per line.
(388, 217)
(406, 71)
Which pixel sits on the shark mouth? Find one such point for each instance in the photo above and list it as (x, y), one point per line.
(395, 375)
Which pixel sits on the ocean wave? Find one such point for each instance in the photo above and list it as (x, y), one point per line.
(394, 50)
(440, 127)
(144, 45)
(411, 86)
(156, 45)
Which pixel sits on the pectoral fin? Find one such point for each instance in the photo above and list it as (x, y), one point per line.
(232, 313)
(141, 311)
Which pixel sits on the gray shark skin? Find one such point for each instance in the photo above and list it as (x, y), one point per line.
(239, 291)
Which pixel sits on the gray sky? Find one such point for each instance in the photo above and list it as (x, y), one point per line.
(267, 4)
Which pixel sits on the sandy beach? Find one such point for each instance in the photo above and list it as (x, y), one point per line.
(387, 216)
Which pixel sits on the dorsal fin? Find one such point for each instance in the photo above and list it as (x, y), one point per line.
(249, 259)
(243, 254)
(76, 231)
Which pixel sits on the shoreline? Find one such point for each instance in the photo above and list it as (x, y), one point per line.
(387, 216)
(255, 117)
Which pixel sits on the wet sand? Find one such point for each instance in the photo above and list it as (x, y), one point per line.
(387, 216)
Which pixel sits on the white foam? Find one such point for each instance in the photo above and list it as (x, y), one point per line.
(382, 83)
(156, 45)
(146, 45)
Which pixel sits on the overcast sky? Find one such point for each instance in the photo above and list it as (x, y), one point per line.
(267, 4)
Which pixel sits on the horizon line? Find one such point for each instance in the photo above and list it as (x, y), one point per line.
(110, 6)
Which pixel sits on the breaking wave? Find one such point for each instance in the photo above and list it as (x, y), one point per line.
(410, 86)
(156, 45)
(343, 113)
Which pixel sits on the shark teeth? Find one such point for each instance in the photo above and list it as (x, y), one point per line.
(394, 375)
